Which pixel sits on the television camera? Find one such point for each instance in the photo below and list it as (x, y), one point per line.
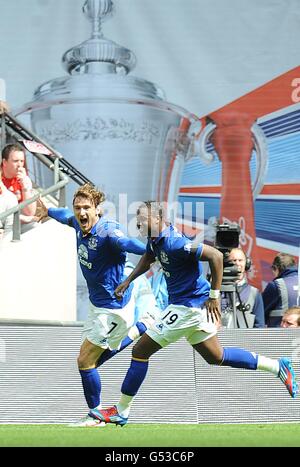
(227, 237)
(234, 315)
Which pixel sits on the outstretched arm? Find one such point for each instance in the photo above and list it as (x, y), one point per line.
(142, 266)
(215, 259)
(131, 245)
(62, 215)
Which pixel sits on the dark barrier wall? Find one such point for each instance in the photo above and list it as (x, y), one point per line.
(39, 381)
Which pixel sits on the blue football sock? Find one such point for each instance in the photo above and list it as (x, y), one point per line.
(239, 358)
(107, 354)
(91, 387)
(134, 377)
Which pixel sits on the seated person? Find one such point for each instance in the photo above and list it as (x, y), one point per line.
(7, 201)
(291, 318)
(15, 177)
(250, 310)
(281, 293)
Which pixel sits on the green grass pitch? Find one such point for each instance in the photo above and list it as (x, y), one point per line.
(152, 435)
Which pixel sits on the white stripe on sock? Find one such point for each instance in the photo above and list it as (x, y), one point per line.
(268, 364)
(124, 405)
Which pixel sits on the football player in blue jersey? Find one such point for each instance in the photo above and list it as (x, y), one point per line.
(110, 326)
(193, 310)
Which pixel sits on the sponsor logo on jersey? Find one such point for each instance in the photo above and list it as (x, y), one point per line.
(82, 252)
(83, 256)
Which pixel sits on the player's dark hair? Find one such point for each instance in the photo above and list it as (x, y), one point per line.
(282, 261)
(155, 207)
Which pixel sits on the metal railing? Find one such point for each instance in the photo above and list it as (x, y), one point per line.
(53, 160)
(12, 127)
(56, 187)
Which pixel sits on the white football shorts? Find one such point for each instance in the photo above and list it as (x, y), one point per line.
(181, 321)
(106, 327)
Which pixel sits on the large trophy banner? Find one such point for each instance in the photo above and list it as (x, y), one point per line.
(248, 171)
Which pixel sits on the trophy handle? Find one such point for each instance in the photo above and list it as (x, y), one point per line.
(260, 145)
(262, 158)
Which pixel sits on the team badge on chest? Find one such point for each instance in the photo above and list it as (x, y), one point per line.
(163, 257)
(92, 243)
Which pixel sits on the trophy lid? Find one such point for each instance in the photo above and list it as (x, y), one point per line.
(92, 54)
(99, 71)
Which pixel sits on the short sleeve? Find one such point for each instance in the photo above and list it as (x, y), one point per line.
(115, 234)
(183, 248)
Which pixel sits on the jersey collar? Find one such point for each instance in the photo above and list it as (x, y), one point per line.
(95, 227)
(100, 222)
(167, 232)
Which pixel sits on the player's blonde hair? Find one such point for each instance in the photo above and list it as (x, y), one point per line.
(90, 192)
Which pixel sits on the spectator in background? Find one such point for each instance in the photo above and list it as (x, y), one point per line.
(7, 201)
(281, 293)
(291, 318)
(248, 296)
(15, 177)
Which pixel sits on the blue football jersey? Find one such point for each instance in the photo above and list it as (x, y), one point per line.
(182, 269)
(101, 259)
